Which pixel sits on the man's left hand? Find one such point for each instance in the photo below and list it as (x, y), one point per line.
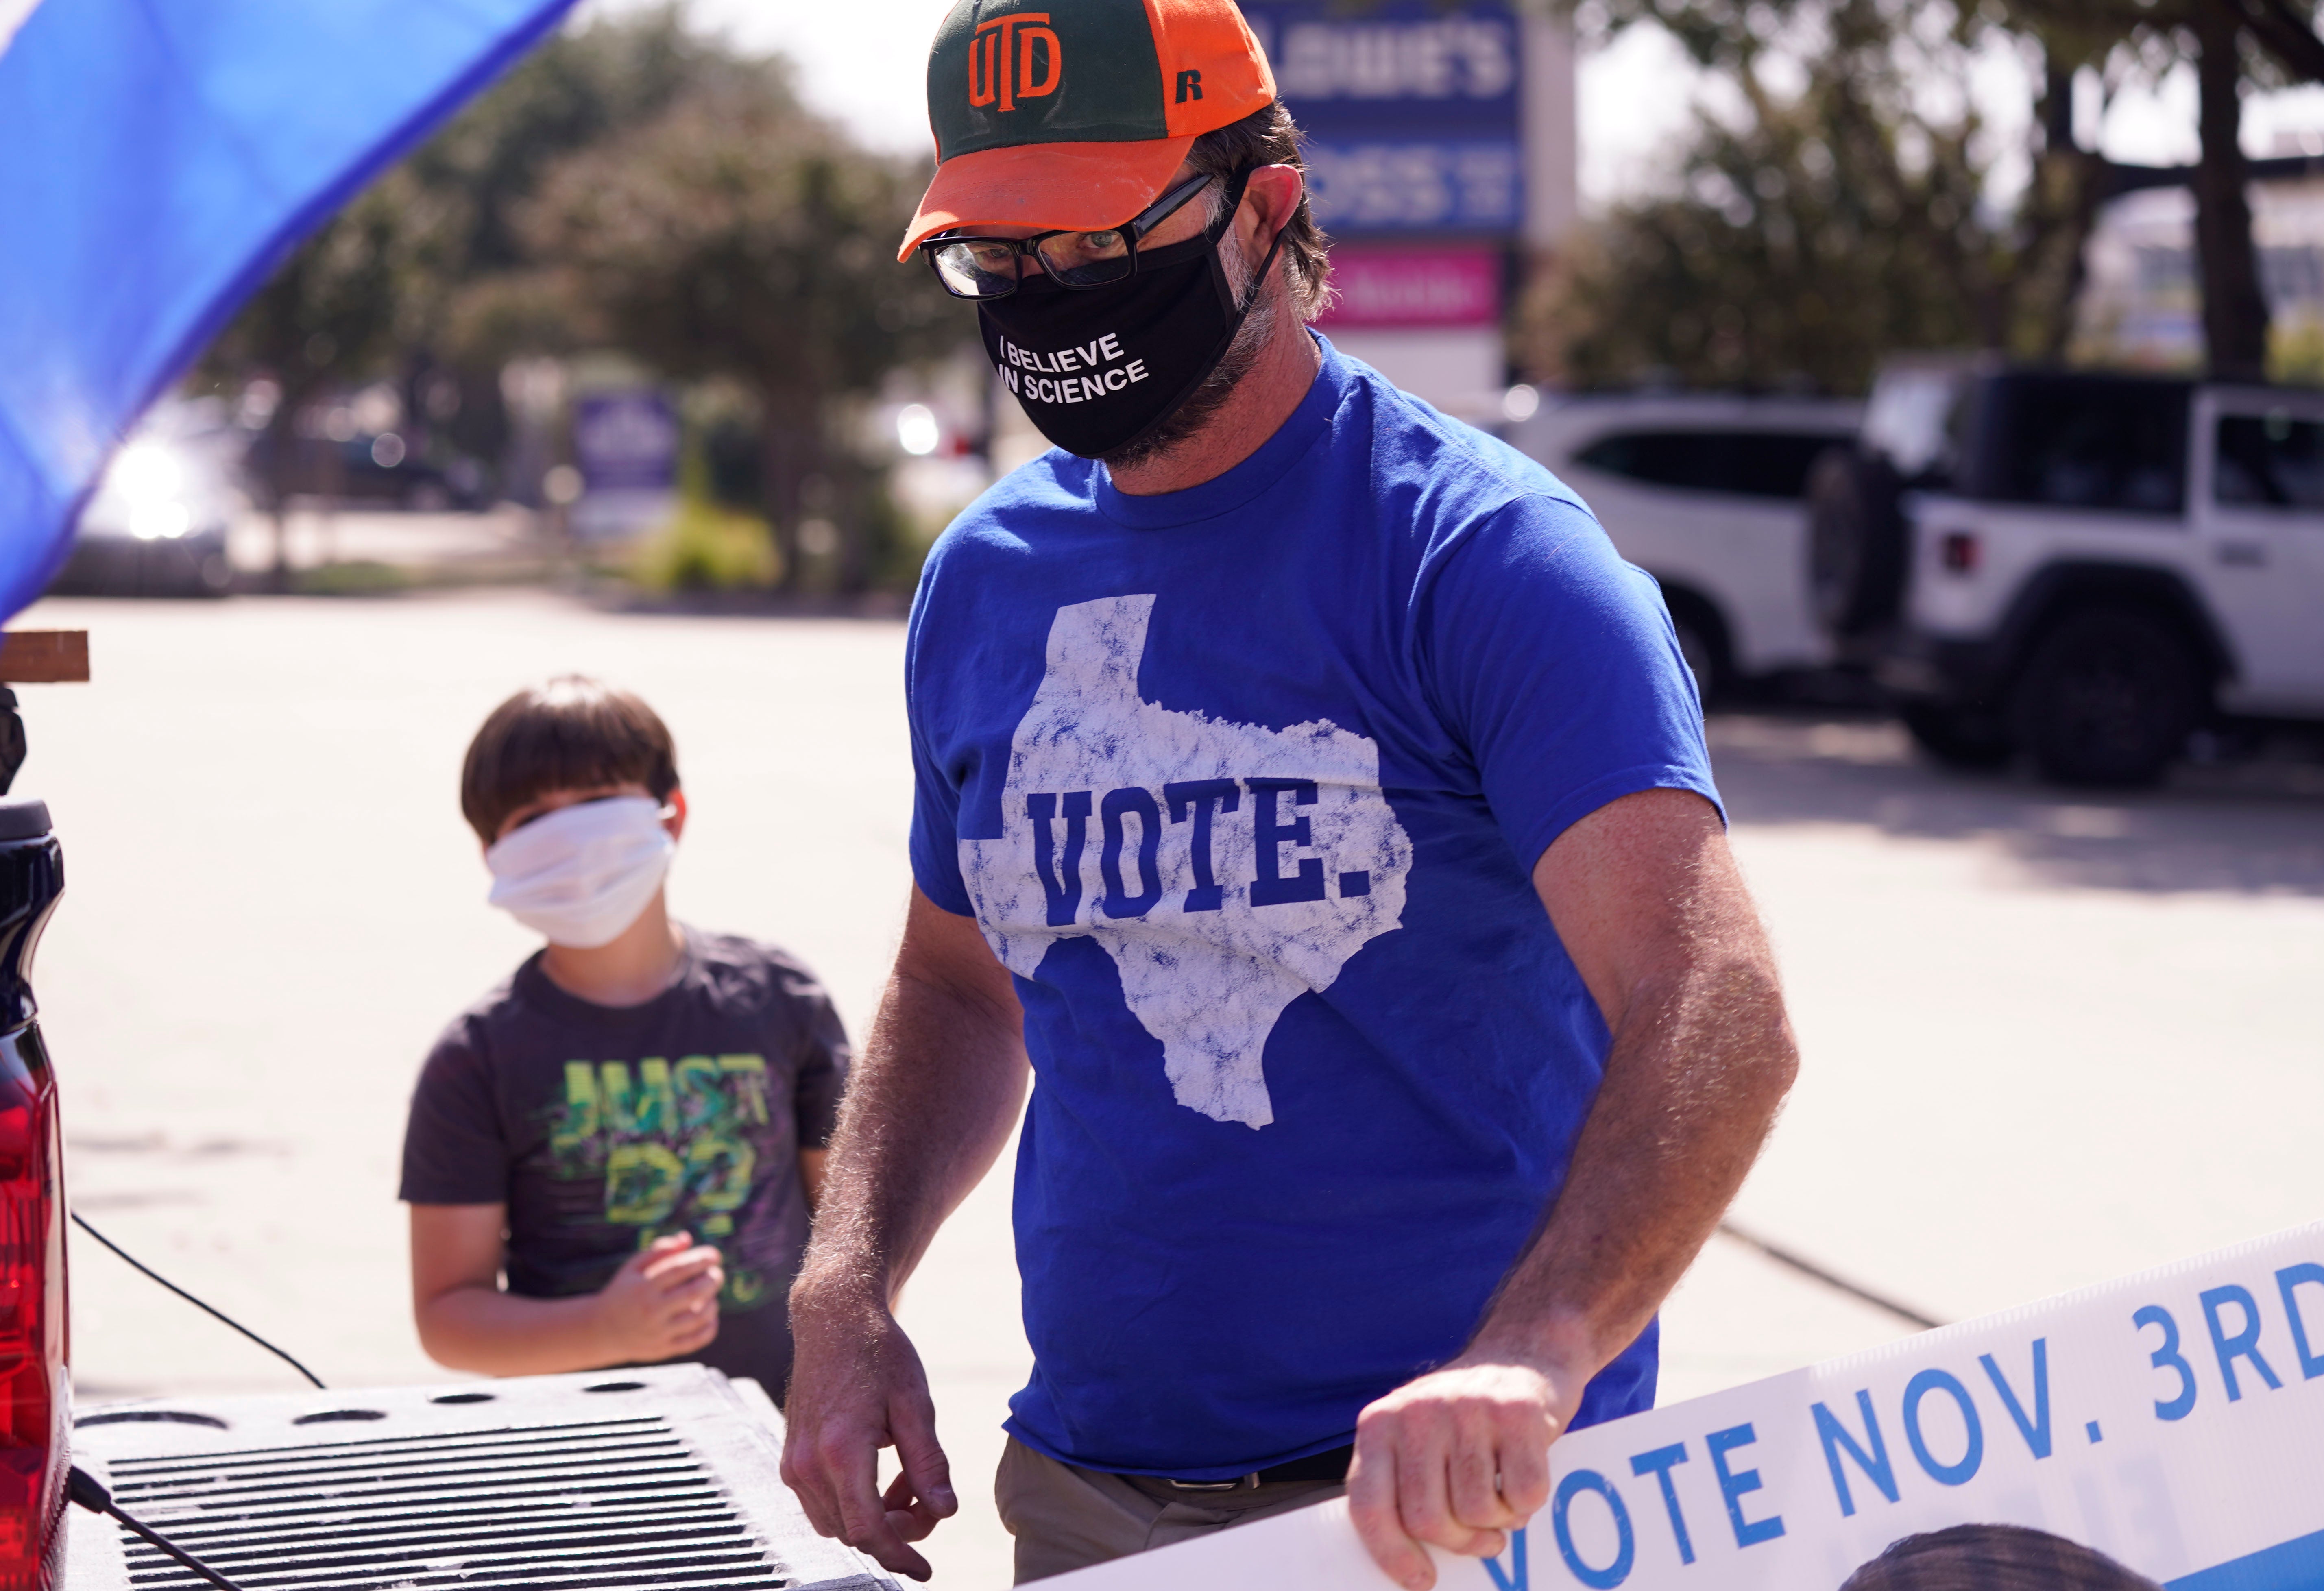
(1456, 1459)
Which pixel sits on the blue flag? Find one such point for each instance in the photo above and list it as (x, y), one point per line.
(159, 159)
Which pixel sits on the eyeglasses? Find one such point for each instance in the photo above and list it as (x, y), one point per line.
(992, 267)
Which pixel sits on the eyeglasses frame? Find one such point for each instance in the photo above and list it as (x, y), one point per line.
(1137, 226)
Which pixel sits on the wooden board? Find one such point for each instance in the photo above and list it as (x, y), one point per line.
(44, 657)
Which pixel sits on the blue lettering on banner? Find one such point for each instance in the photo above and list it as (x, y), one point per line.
(1874, 1464)
(1733, 1486)
(1516, 1577)
(2036, 1430)
(1921, 1386)
(2243, 1345)
(1624, 1543)
(1203, 797)
(2092, 1431)
(1062, 887)
(1659, 1464)
(1270, 888)
(2168, 1357)
(2287, 1281)
(1118, 901)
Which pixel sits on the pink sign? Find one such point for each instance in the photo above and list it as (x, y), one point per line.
(1416, 287)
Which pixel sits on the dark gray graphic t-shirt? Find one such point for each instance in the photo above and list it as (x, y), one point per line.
(602, 1128)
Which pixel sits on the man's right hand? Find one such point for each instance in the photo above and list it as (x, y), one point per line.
(662, 1303)
(856, 1387)
(928, 1107)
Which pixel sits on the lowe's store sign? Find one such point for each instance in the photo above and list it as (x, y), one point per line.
(1411, 110)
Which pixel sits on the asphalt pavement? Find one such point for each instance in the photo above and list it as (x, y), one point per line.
(2048, 1038)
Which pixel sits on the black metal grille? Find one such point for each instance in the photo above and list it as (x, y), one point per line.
(607, 1502)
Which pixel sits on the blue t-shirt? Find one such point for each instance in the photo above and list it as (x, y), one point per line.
(1245, 784)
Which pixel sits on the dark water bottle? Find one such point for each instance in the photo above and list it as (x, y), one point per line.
(35, 1386)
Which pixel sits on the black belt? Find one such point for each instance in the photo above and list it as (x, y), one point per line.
(1317, 1467)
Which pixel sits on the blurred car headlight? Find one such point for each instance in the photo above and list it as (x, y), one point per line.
(916, 431)
(143, 472)
(164, 520)
(150, 482)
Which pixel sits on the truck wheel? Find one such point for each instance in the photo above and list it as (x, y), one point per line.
(1702, 655)
(1701, 641)
(2108, 698)
(1959, 737)
(1855, 541)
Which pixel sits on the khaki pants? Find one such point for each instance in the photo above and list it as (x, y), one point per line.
(1067, 1518)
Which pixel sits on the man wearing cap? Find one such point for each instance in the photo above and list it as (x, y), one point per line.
(1307, 789)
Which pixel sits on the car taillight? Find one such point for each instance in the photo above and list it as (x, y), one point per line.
(35, 1349)
(1958, 552)
(35, 1396)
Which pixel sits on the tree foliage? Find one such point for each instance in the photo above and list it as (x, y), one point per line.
(1818, 230)
(1856, 213)
(631, 185)
(2232, 44)
(737, 236)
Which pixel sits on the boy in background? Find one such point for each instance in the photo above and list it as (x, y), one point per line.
(613, 1156)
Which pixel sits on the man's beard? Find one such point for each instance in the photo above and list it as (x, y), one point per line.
(1202, 405)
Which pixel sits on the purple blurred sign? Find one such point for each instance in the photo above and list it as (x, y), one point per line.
(1412, 110)
(626, 442)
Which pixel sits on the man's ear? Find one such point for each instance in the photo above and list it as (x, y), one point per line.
(1271, 197)
(676, 822)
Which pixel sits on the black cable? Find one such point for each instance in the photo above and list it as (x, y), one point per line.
(83, 1488)
(1805, 1268)
(150, 1274)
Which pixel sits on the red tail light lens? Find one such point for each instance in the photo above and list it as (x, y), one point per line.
(35, 1396)
(1958, 552)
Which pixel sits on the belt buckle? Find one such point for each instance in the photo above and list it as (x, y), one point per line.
(1236, 1485)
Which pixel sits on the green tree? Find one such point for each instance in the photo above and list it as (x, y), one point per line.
(1821, 228)
(2020, 272)
(331, 308)
(630, 184)
(2233, 46)
(739, 236)
(403, 279)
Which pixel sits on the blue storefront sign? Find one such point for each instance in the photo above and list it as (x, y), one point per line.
(626, 442)
(1412, 111)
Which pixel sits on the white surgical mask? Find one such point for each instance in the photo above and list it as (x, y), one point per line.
(582, 873)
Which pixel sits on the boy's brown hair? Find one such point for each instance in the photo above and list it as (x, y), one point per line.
(1993, 1558)
(569, 733)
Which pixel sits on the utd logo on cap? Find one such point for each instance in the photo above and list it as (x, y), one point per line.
(999, 75)
(1022, 140)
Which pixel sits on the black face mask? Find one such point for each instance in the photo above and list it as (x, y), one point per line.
(1097, 369)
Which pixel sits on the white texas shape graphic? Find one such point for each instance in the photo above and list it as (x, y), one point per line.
(1226, 868)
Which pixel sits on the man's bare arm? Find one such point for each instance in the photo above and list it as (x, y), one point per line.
(1647, 897)
(928, 1110)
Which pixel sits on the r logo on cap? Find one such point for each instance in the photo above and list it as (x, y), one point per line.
(1000, 61)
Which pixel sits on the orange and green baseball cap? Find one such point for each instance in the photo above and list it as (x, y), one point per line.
(1073, 114)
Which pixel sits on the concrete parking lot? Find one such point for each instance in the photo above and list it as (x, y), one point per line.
(2048, 1038)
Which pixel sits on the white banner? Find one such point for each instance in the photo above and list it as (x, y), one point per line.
(2173, 1420)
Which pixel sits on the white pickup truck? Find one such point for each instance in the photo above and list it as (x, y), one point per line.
(2083, 567)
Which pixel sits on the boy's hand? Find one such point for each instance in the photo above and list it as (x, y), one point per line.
(663, 1302)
